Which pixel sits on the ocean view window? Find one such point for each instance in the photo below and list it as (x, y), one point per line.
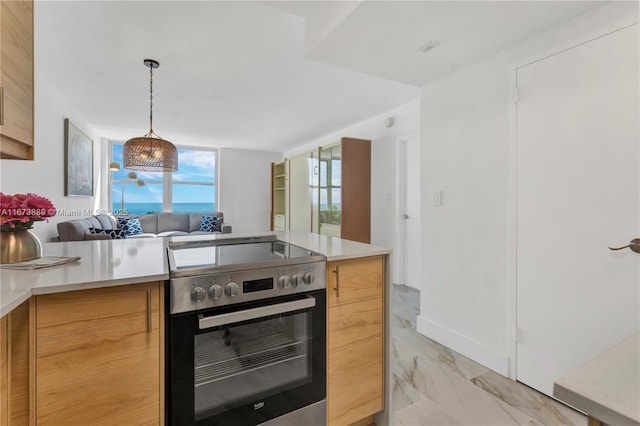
(193, 188)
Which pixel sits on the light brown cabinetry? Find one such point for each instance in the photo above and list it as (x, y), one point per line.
(355, 339)
(16, 79)
(14, 367)
(99, 356)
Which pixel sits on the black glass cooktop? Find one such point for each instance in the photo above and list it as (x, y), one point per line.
(236, 254)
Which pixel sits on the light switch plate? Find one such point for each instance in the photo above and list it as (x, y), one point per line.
(437, 198)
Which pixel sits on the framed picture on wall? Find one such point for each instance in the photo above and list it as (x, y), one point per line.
(78, 162)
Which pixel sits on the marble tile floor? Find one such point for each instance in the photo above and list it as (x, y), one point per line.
(434, 385)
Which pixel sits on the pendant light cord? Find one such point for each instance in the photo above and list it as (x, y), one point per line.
(151, 100)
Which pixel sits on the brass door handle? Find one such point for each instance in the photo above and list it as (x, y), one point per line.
(634, 245)
(149, 313)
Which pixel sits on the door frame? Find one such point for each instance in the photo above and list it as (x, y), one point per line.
(512, 173)
(398, 257)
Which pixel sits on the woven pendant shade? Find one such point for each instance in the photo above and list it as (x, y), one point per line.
(150, 154)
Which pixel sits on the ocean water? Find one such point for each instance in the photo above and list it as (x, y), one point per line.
(144, 208)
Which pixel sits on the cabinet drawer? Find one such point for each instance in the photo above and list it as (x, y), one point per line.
(354, 279)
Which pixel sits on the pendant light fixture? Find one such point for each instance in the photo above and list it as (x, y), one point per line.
(150, 152)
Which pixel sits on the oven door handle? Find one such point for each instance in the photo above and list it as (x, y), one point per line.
(248, 314)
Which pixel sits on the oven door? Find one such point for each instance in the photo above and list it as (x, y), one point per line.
(249, 363)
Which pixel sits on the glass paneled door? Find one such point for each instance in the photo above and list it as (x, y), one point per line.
(330, 188)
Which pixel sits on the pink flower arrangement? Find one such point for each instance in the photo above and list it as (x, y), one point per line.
(19, 211)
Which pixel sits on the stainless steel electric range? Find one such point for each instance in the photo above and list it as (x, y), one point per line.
(246, 333)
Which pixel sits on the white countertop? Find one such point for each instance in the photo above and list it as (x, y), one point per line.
(103, 263)
(608, 386)
(106, 263)
(332, 248)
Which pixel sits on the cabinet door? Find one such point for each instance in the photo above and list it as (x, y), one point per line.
(14, 366)
(355, 339)
(99, 356)
(16, 79)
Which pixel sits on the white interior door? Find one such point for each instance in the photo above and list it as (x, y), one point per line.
(300, 193)
(410, 261)
(578, 192)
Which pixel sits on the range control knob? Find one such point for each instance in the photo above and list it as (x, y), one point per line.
(296, 279)
(283, 281)
(198, 294)
(215, 291)
(231, 289)
(308, 278)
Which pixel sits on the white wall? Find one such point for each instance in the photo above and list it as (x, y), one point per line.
(383, 163)
(465, 126)
(245, 188)
(45, 174)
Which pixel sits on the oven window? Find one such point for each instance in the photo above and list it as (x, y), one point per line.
(234, 364)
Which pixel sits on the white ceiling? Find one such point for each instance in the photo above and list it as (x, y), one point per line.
(383, 38)
(253, 75)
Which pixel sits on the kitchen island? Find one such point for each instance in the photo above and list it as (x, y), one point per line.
(106, 263)
(108, 310)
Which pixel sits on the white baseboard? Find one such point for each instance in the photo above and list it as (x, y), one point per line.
(464, 345)
(407, 284)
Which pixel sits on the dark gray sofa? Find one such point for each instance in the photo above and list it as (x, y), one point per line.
(153, 225)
